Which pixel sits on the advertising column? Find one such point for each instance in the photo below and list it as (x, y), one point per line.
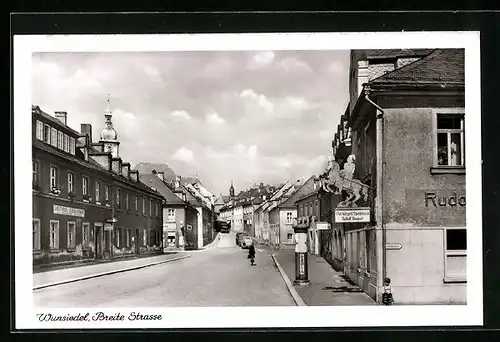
(301, 260)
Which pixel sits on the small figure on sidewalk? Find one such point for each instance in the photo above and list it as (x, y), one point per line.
(251, 254)
(387, 294)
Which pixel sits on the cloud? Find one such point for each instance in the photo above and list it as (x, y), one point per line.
(261, 59)
(214, 118)
(180, 115)
(336, 67)
(292, 64)
(260, 99)
(183, 154)
(252, 152)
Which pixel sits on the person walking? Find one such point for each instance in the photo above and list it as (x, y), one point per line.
(251, 254)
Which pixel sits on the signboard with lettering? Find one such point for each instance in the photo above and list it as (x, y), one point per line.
(302, 267)
(352, 215)
(393, 246)
(60, 210)
(322, 225)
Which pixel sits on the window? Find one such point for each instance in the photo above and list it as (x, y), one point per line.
(310, 209)
(316, 204)
(85, 233)
(85, 186)
(106, 193)
(289, 217)
(71, 181)
(150, 208)
(156, 209)
(289, 236)
(36, 234)
(97, 191)
(118, 195)
(117, 236)
(60, 140)
(455, 255)
(127, 238)
(450, 140)
(136, 203)
(36, 171)
(72, 145)
(71, 234)
(46, 134)
(66, 143)
(53, 136)
(144, 237)
(54, 234)
(127, 202)
(54, 177)
(39, 130)
(144, 206)
(171, 215)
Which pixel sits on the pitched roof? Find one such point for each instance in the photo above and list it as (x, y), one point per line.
(396, 53)
(441, 66)
(154, 182)
(298, 192)
(147, 168)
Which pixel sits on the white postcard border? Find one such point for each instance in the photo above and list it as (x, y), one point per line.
(224, 317)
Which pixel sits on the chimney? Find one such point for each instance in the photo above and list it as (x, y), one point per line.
(161, 175)
(62, 116)
(177, 182)
(298, 182)
(86, 129)
(363, 76)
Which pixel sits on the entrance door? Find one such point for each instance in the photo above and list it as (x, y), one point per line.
(98, 240)
(137, 241)
(107, 243)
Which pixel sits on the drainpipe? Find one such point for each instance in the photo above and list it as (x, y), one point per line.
(379, 213)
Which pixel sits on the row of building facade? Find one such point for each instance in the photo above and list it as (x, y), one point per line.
(404, 128)
(89, 204)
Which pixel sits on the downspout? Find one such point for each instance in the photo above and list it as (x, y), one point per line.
(379, 214)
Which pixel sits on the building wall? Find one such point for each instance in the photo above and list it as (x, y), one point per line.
(286, 227)
(274, 227)
(208, 231)
(238, 218)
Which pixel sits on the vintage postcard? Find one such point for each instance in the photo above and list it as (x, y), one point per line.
(248, 180)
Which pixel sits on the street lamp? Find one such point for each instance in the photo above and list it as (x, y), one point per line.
(301, 260)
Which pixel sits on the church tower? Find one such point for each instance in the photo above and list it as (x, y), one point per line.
(109, 138)
(231, 190)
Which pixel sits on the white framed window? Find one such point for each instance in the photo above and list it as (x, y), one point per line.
(36, 234)
(71, 243)
(97, 191)
(118, 238)
(171, 215)
(60, 140)
(54, 177)
(455, 259)
(289, 217)
(136, 203)
(145, 237)
(71, 181)
(72, 145)
(118, 196)
(53, 136)
(106, 193)
(127, 202)
(66, 143)
(449, 145)
(54, 234)
(85, 185)
(85, 233)
(46, 134)
(39, 130)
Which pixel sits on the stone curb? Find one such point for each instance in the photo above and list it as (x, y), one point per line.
(107, 273)
(296, 297)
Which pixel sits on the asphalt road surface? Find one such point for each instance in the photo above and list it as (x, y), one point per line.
(218, 276)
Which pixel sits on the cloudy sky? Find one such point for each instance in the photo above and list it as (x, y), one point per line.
(251, 117)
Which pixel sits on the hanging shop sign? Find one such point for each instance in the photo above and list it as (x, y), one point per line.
(322, 225)
(60, 210)
(352, 215)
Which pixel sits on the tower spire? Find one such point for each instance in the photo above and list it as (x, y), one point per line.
(108, 108)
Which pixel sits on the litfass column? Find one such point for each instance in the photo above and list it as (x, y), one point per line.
(301, 262)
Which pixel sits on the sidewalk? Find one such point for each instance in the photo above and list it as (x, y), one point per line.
(66, 275)
(325, 282)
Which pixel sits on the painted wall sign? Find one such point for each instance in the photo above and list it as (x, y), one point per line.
(60, 210)
(433, 200)
(393, 246)
(302, 267)
(322, 225)
(346, 215)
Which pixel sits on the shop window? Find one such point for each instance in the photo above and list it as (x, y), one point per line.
(71, 182)
(54, 234)
(39, 130)
(71, 235)
(36, 234)
(46, 134)
(450, 140)
(455, 255)
(54, 177)
(86, 233)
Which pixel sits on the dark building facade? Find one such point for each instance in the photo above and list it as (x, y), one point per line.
(82, 197)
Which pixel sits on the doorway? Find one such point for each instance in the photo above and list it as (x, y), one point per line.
(107, 243)
(98, 240)
(137, 241)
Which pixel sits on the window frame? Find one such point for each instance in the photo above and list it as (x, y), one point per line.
(46, 129)
(71, 185)
(97, 192)
(127, 201)
(136, 203)
(106, 194)
(453, 253)
(56, 168)
(35, 173)
(439, 169)
(289, 217)
(170, 217)
(60, 140)
(85, 189)
(72, 145)
(53, 136)
(39, 237)
(70, 246)
(54, 245)
(118, 195)
(66, 143)
(85, 243)
(39, 130)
